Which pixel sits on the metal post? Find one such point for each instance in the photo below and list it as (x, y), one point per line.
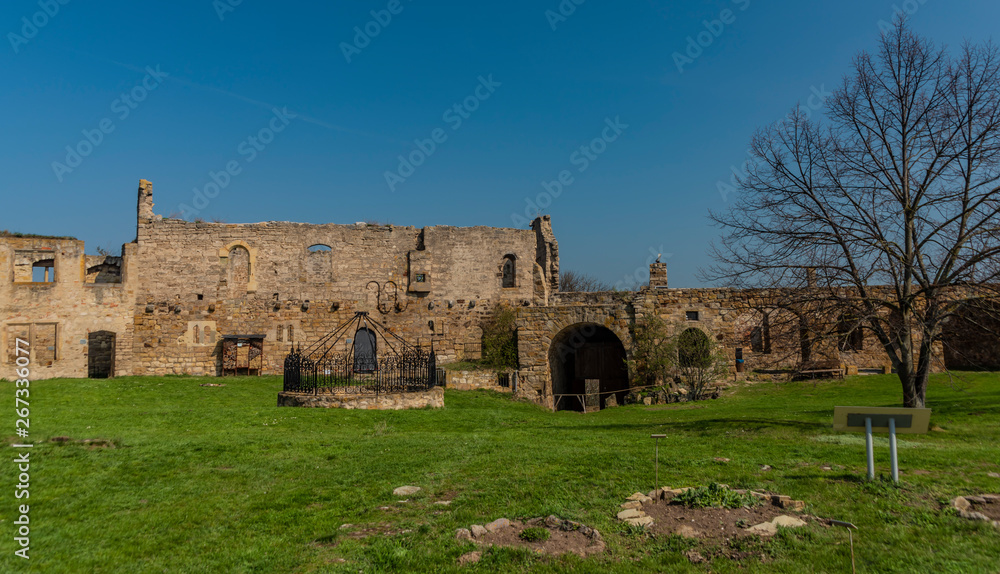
(850, 536)
(656, 459)
(868, 445)
(892, 450)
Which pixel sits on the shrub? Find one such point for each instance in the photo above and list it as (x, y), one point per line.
(500, 339)
(716, 496)
(653, 353)
(534, 534)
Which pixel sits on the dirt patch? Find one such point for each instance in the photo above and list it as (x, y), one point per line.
(714, 524)
(90, 443)
(358, 532)
(565, 537)
(990, 507)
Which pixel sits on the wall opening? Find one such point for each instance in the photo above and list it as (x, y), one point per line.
(508, 272)
(43, 271)
(587, 352)
(850, 336)
(760, 336)
(101, 354)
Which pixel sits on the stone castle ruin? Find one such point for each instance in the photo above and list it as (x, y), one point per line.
(171, 300)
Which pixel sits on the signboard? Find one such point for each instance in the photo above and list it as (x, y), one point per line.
(908, 421)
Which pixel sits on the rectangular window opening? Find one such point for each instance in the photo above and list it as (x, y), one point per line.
(43, 272)
(692, 315)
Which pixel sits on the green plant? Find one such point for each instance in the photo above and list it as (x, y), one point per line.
(653, 352)
(500, 338)
(700, 361)
(534, 534)
(716, 496)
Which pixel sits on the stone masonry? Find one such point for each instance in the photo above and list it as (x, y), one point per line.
(164, 304)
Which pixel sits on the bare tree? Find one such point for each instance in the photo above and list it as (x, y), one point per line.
(889, 217)
(572, 282)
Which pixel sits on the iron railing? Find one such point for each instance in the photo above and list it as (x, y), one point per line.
(411, 370)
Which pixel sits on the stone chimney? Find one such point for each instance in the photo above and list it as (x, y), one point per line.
(658, 275)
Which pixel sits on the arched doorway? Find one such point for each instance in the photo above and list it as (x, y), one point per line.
(587, 359)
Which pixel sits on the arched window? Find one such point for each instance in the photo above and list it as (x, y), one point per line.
(508, 272)
(239, 270)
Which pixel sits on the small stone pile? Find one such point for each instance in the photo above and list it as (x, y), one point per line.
(963, 504)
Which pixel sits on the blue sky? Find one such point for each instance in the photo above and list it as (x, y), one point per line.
(311, 118)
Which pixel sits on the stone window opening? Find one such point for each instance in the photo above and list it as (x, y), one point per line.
(200, 296)
(320, 248)
(197, 336)
(692, 316)
(43, 271)
(209, 336)
(850, 335)
(760, 337)
(291, 333)
(508, 272)
(104, 273)
(421, 278)
(279, 334)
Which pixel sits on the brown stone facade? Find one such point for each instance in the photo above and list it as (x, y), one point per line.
(165, 304)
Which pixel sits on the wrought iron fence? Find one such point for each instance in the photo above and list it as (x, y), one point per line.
(411, 370)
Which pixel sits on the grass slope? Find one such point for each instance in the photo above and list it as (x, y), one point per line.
(218, 479)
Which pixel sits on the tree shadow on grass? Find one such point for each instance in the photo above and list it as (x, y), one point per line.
(712, 425)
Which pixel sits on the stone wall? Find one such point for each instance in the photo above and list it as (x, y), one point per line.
(433, 398)
(59, 316)
(472, 380)
(296, 282)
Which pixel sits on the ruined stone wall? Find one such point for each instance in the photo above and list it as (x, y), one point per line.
(430, 286)
(59, 316)
(727, 316)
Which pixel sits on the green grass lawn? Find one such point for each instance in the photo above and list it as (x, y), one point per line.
(218, 479)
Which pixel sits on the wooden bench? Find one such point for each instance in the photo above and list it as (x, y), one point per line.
(811, 373)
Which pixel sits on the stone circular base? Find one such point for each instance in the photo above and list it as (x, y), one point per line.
(387, 402)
